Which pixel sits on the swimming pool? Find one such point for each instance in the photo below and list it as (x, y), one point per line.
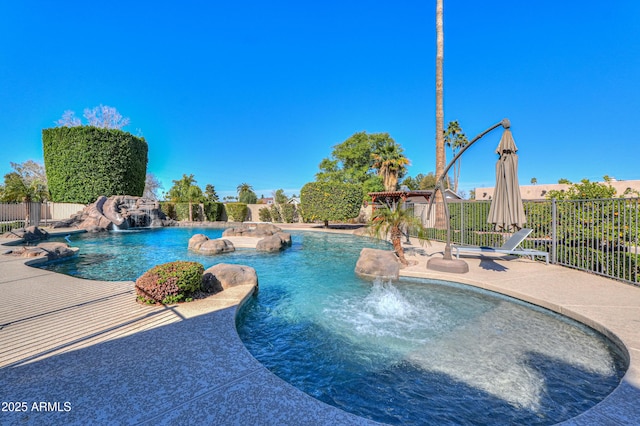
(411, 353)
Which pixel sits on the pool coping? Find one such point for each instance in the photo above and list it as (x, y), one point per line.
(244, 390)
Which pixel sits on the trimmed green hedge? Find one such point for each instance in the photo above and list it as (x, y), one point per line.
(85, 162)
(236, 212)
(330, 201)
(213, 211)
(180, 211)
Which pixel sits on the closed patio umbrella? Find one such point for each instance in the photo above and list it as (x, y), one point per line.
(506, 211)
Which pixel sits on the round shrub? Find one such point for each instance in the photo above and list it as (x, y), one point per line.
(170, 282)
(264, 214)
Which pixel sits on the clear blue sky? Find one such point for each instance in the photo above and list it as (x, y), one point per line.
(259, 92)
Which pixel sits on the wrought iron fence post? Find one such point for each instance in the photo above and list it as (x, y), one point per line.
(554, 231)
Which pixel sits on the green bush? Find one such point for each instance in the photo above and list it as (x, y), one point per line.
(85, 162)
(288, 212)
(264, 214)
(170, 282)
(213, 211)
(330, 201)
(275, 214)
(236, 212)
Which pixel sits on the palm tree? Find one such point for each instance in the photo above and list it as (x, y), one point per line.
(455, 139)
(185, 190)
(390, 162)
(440, 153)
(391, 222)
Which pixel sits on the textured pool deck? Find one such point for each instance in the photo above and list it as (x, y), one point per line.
(76, 351)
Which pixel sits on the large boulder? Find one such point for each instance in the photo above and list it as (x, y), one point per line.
(200, 243)
(224, 275)
(52, 251)
(275, 242)
(257, 230)
(374, 263)
(28, 235)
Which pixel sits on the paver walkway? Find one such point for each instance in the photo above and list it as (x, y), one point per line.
(84, 352)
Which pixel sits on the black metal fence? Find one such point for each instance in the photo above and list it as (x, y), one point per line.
(599, 236)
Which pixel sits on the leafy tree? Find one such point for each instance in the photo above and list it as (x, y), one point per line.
(390, 163)
(585, 190)
(353, 160)
(25, 184)
(280, 197)
(534, 181)
(455, 139)
(330, 201)
(246, 194)
(151, 187)
(102, 116)
(210, 193)
(564, 181)
(392, 222)
(412, 183)
(185, 190)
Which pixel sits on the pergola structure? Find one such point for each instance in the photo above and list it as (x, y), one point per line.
(391, 198)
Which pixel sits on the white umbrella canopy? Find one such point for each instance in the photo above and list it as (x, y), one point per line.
(506, 211)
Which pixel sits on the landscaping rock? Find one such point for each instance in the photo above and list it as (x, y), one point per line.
(200, 243)
(257, 230)
(224, 275)
(374, 263)
(275, 242)
(52, 251)
(29, 234)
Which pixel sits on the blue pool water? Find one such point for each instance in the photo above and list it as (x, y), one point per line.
(415, 352)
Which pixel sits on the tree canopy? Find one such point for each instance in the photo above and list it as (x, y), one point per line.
(368, 160)
(246, 194)
(102, 116)
(185, 190)
(585, 190)
(28, 182)
(151, 187)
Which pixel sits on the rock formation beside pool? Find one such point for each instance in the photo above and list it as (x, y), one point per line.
(118, 212)
(28, 235)
(52, 251)
(374, 263)
(200, 243)
(223, 275)
(262, 236)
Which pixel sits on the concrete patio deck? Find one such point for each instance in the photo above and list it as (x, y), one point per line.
(84, 352)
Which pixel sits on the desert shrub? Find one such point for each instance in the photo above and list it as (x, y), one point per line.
(236, 212)
(170, 282)
(275, 214)
(288, 212)
(264, 214)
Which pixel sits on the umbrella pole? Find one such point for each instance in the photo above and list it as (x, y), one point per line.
(448, 263)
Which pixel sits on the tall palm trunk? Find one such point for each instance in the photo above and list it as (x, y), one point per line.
(396, 240)
(440, 153)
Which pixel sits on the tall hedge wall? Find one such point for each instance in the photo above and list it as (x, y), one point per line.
(330, 201)
(85, 162)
